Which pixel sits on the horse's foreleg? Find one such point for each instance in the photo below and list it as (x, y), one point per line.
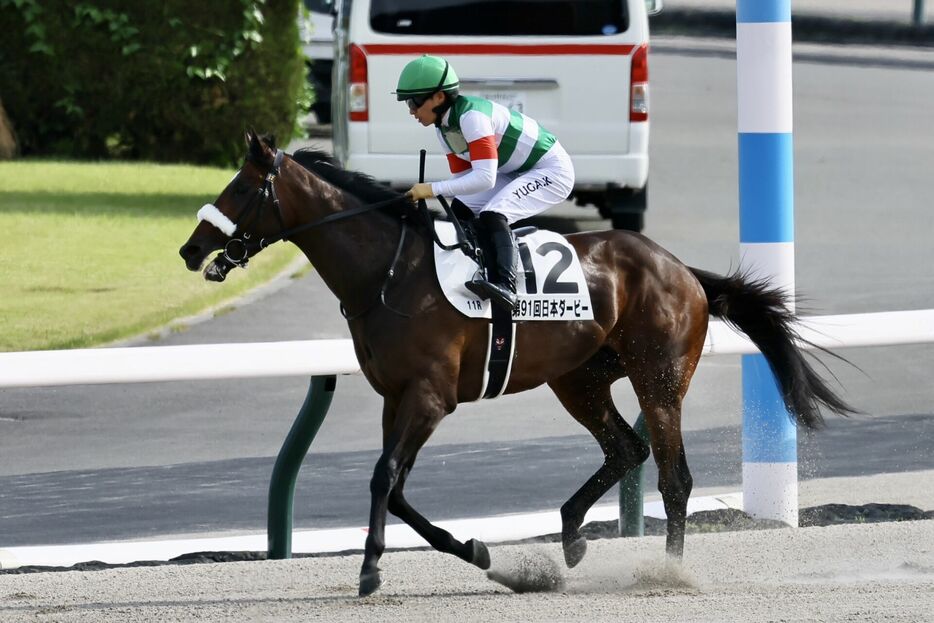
(384, 477)
(473, 551)
(585, 393)
(405, 430)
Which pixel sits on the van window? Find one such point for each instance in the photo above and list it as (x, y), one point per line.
(320, 6)
(499, 17)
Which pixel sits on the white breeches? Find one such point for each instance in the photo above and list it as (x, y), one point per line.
(521, 195)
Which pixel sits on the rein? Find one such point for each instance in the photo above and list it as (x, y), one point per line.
(237, 250)
(381, 297)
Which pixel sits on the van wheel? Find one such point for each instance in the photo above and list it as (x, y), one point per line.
(630, 221)
(322, 112)
(626, 207)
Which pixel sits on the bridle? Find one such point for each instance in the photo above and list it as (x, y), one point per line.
(238, 249)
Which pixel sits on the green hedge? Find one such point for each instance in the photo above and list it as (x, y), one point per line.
(175, 80)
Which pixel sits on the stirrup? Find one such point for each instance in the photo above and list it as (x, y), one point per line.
(496, 293)
(477, 287)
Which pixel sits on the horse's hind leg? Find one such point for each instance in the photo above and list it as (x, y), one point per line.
(660, 397)
(585, 393)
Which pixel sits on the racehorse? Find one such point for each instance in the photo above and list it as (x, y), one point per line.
(424, 358)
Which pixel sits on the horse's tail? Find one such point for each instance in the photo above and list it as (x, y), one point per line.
(761, 312)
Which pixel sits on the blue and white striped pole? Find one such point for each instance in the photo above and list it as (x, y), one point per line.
(766, 217)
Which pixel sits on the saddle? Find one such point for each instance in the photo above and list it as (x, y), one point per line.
(468, 240)
(550, 285)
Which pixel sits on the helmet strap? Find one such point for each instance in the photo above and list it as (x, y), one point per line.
(440, 110)
(444, 76)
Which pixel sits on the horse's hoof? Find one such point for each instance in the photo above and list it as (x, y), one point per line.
(574, 551)
(481, 555)
(369, 582)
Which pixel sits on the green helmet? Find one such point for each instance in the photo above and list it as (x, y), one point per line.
(425, 76)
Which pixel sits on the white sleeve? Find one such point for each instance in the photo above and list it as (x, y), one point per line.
(480, 177)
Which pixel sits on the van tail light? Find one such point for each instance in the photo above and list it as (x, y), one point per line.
(639, 84)
(359, 109)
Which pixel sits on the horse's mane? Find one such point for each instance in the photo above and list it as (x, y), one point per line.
(360, 185)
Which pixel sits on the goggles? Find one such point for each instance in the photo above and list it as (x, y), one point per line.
(414, 103)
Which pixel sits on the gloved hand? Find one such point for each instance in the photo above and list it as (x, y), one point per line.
(419, 191)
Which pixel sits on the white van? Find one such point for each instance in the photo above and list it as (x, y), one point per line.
(579, 68)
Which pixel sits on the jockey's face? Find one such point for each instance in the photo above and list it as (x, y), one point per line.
(423, 110)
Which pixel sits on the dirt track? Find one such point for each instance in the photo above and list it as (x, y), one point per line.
(877, 572)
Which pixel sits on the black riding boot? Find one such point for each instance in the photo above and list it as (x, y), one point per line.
(500, 285)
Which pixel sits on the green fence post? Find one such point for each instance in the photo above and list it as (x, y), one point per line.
(289, 461)
(631, 521)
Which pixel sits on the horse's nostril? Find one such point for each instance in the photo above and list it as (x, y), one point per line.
(193, 255)
(188, 250)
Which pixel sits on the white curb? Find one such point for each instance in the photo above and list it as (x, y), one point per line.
(489, 529)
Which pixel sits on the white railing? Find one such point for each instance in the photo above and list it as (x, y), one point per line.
(321, 357)
(840, 331)
(91, 366)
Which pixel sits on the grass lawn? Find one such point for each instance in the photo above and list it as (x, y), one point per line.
(89, 251)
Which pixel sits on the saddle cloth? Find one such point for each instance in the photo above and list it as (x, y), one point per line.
(550, 280)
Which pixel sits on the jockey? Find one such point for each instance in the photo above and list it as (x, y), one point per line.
(505, 166)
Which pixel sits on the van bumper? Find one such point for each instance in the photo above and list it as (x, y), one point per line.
(596, 172)
(592, 171)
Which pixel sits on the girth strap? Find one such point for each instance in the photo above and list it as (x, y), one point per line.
(500, 352)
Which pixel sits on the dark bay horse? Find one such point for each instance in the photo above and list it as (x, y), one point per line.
(423, 357)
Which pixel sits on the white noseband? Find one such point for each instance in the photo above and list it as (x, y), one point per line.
(215, 217)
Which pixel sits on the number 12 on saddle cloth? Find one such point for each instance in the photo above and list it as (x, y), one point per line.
(550, 281)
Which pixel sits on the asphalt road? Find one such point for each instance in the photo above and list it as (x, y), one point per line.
(451, 481)
(87, 463)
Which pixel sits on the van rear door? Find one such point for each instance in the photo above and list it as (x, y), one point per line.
(566, 64)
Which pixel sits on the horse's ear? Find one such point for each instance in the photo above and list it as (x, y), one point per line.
(260, 153)
(270, 140)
